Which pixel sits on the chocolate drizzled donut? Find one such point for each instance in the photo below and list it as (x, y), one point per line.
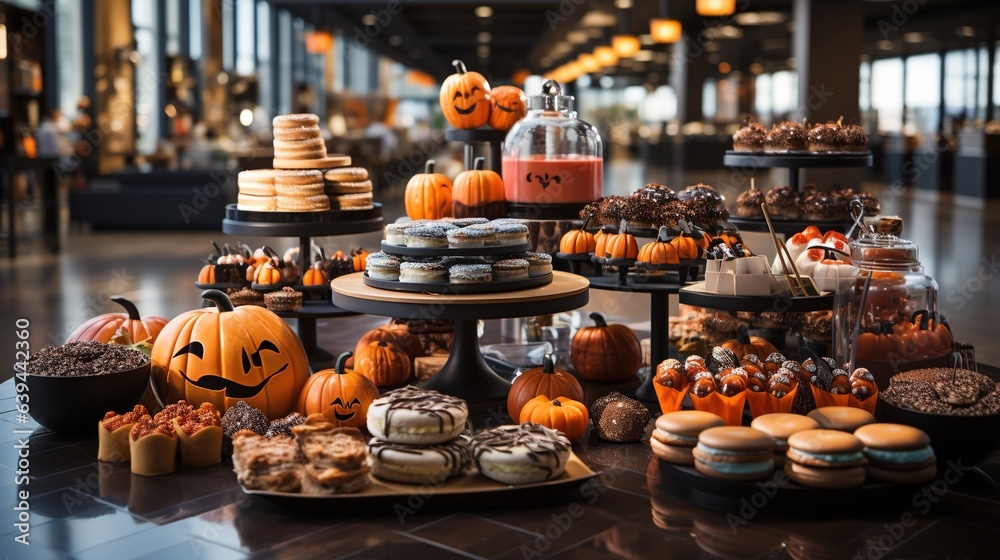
(429, 403)
(539, 440)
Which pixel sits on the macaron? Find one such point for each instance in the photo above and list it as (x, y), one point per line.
(898, 453)
(825, 459)
(780, 426)
(843, 418)
(734, 453)
(676, 434)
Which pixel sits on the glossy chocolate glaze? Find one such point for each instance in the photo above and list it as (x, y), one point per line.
(540, 442)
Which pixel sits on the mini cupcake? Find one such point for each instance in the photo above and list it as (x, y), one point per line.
(423, 272)
(469, 237)
(539, 264)
(751, 138)
(426, 236)
(748, 203)
(782, 202)
(511, 234)
(382, 266)
(786, 136)
(199, 435)
(470, 273)
(819, 205)
(826, 137)
(285, 299)
(113, 432)
(152, 447)
(511, 269)
(855, 139)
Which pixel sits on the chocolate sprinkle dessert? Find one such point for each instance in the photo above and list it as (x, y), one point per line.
(751, 138)
(855, 139)
(786, 136)
(933, 391)
(283, 426)
(242, 416)
(748, 203)
(827, 137)
(77, 359)
(782, 202)
(619, 418)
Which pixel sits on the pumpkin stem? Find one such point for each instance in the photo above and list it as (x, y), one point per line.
(742, 335)
(429, 167)
(586, 221)
(339, 367)
(924, 316)
(555, 402)
(133, 313)
(382, 343)
(220, 299)
(548, 364)
(478, 163)
(599, 319)
(662, 236)
(459, 66)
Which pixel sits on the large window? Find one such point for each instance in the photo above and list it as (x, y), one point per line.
(785, 94)
(763, 94)
(923, 95)
(887, 94)
(147, 76)
(246, 63)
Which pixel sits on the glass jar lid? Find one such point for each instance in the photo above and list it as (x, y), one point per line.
(884, 251)
(551, 99)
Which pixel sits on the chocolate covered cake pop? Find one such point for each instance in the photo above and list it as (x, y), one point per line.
(786, 136)
(826, 137)
(242, 416)
(748, 203)
(751, 138)
(619, 418)
(782, 202)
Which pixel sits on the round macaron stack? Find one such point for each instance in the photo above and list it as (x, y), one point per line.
(734, 453)
(521, 454)
(825, 459)
(418, 436)
(300, 190)
(349, 188)
(256, 190)
(297, 137)
(843, 418)
(898, 453)
(676, 434)
(780, 426)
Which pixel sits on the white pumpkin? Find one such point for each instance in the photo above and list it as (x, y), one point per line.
(829, 275)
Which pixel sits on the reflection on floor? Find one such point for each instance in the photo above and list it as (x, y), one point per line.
(156, 270)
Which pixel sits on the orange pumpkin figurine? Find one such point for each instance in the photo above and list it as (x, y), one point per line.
(464, 98)
(578, 241)
(478, 193)
(428, 195)
(605, 352)
(341, 394)
(507, 106)
(561, 413)
(545, 381)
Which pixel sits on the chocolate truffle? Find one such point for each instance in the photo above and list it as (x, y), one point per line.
(782, 202)
(619, 418)
(855, 139)
(242, 416)
(750, 138)
(283, 426)
(826, 137)
(786, 136)
(748, 203)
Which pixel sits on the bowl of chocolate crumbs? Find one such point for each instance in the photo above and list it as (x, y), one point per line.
(73, 385)
(958, 408)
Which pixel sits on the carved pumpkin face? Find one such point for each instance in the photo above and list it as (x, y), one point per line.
(507, 106)
(464, 98)
(223, 355)
(341, 394)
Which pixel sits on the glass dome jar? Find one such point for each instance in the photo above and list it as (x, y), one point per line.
(552, 161)
(900, 327)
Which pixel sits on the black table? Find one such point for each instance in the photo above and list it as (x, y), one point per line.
(80, 508)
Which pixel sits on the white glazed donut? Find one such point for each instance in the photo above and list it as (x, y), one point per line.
(419, 464)
(417, 417)
(521, 454)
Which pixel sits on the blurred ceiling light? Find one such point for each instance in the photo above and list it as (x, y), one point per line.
(484, 37)
(597, 18)
(623, 4)
(643, 56)
(484, 12)
(915, 37)
(588, 63)
(756, 68)
(222, 78)
(246, 117)
(714, 8)
(395, 40)
(665, 30)
(170, 111)
(964, 31)
(884, 45)
(607, 82)
(483, 52)
(318, 42)
(760, 18)
(724, 67)
(369, 20)
(577, 37)
(625, 45)
(3, 41)
(606, 56)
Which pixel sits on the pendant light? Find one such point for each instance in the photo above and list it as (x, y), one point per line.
(715, 8)
(625, 44)
(663, 29)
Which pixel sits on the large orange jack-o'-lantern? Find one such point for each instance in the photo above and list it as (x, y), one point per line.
(342, 395)
(224, 354)
(464, 98)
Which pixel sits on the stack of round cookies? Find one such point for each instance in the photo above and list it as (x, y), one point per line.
(282, 190)
(297, 137)
(349, 188)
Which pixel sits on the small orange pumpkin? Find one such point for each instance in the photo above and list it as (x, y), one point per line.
(103, 327)
(207, 274)
(561, 413)
(384, 363)
(601, 239)
(359, 258)
(478, 193)
(464, 98)
(605, 352)
(686, 246)
(578, 241)
(745, 344)
(397, 334)
(659, 251)
(428, 195)
(507, 106)
(545, 381)
(342, 395)
(621, 245)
